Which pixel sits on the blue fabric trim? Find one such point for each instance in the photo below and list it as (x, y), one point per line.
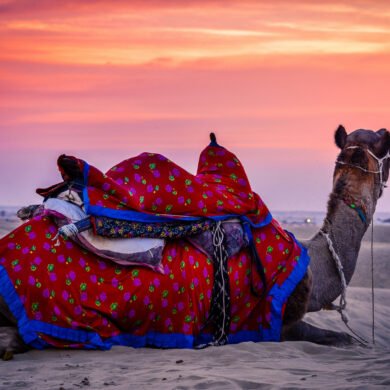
(154, 339)
(30, 329)
(85, 189)
(266, 221)
(83, 224)
(16, 307)
(136, 216)
(280, 294)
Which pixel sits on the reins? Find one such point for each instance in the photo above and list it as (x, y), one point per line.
(372, 283)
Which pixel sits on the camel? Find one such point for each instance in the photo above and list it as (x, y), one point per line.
(360, 176)
(361, 172)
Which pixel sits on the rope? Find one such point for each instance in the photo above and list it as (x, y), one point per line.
(69, 230)
(380, 162)
(372, 282)
(357, 337)
(343, 297)
(220, 301)
(356, 166)
(65, 231)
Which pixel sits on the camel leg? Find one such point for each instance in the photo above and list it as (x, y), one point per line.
(6, 317)
(298, 301)
(10, 341)
(302, 331)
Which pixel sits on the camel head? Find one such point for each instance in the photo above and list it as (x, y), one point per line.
(362, 167)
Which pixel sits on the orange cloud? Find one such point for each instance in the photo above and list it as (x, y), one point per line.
(104, 77)
(101, 32)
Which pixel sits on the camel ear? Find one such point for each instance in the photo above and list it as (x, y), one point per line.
(340, 137)
(385, 141)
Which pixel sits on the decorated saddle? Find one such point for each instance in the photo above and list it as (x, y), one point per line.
(67, 292)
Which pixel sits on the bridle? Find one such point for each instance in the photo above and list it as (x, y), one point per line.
(380, 163)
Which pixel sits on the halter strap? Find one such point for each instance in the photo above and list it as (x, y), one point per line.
(379, 161)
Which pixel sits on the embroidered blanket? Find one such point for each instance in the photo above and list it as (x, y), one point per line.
(65, 296)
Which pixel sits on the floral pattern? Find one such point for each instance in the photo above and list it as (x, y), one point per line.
(116, 228)
(152, 184)
(73, 289)
(64, 296)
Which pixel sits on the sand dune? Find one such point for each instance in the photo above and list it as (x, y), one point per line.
(289, 365)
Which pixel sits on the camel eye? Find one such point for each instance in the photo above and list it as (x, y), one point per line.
(356, 157)
(359, 157)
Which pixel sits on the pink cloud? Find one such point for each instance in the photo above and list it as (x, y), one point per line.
(111, 79)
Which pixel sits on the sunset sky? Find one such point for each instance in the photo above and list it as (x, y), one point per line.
(106, 80)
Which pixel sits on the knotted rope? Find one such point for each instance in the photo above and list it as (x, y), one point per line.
(220, 300)
(65, 231)
(343, 296)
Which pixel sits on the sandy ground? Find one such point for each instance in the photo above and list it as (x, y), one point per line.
(289, 365)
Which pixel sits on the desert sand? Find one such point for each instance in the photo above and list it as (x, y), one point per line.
(287, 365)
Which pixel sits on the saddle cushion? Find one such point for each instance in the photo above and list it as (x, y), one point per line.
(126, 251)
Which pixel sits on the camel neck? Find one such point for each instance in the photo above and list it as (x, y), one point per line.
(346, 229)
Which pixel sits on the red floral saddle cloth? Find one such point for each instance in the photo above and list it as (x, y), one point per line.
(65, 296)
